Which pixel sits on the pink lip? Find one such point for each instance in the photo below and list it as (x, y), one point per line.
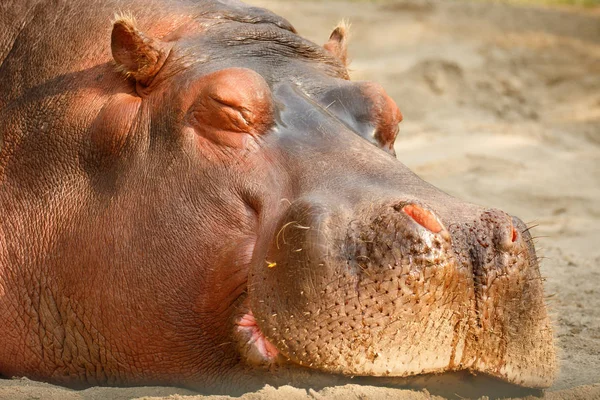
(248, 326)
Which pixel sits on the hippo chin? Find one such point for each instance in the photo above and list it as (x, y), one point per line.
(192, 194)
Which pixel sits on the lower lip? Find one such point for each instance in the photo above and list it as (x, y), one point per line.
(247, 324)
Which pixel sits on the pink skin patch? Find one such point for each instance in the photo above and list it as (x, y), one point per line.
(265, 348)
(515, 235)
(423, 217)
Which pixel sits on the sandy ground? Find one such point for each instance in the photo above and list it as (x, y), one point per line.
(502, 108)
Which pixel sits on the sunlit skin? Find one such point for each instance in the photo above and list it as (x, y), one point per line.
(193, 194)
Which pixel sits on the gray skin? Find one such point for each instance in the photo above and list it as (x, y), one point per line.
(163, 178)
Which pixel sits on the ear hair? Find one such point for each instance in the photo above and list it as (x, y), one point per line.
(337, 44)
(125, 17)
(137, 55)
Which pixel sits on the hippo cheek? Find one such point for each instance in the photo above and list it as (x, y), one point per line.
(389, 290)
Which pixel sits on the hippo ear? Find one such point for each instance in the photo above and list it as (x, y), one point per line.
(136, 54)
(338, 42)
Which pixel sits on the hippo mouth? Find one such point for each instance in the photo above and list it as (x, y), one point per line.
(398, 293)
(253, 345)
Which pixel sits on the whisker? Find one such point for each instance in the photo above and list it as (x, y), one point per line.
(529, 227)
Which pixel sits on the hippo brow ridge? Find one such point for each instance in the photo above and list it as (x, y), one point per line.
(273, 42)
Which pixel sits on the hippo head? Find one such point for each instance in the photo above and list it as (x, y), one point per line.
(244, 211)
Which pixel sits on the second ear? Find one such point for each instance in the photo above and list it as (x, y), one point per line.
(337, 44)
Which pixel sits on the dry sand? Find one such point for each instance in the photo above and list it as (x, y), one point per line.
(502, 108)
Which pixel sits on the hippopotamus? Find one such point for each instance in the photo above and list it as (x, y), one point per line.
(193, 194)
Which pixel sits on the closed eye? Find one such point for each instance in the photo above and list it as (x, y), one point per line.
(236, 115)
(367, 110)
(230, 103)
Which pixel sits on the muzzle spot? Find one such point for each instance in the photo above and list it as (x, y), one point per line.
(423, 217)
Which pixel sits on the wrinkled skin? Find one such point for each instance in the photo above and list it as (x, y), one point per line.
(202, 196)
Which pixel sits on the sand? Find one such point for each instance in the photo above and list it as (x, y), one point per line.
(502, 108)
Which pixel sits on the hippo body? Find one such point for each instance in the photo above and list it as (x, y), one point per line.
(192, 194)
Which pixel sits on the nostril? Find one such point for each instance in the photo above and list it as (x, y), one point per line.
(514, 234)
(423, 217)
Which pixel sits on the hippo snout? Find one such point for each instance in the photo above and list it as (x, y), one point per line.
(396, 288)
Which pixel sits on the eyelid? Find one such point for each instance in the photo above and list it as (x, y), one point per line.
(369, 112)
(243, 112)
(232, 101)
(226, 114)
(219, 99)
